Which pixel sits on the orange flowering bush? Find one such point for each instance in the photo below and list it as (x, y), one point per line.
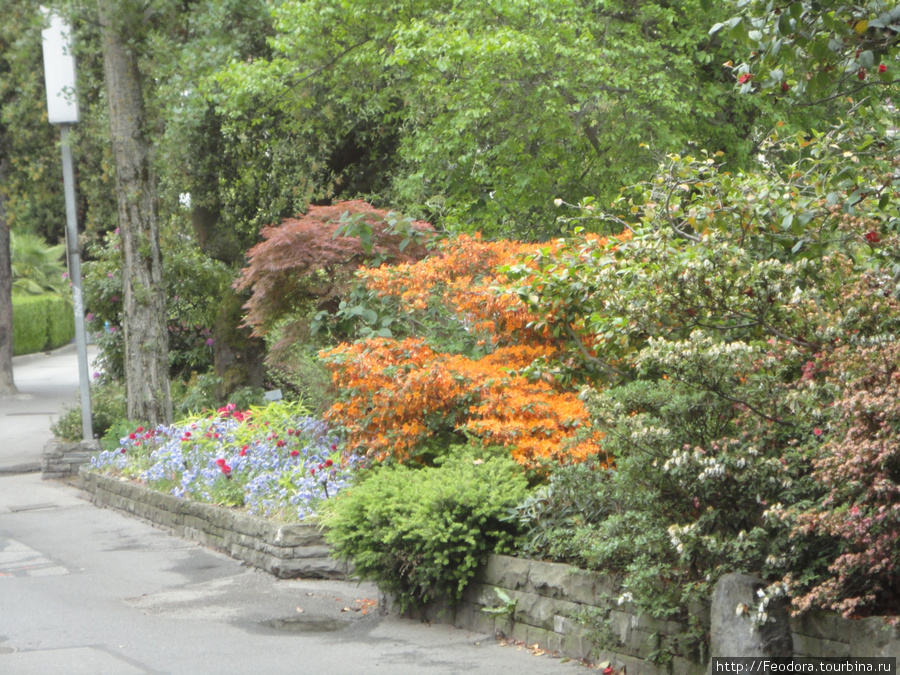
(463, 283)
(463, 366)
(399, 394)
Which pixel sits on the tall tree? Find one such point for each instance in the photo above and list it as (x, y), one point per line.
(146, 337)
(477, 115)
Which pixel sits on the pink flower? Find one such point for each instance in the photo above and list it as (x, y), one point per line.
(854, 511)
(209, 342)
(746, 77)
(817, 431)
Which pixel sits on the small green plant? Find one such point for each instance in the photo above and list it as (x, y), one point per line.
(507, 605)
(420, 533)
(107, 410)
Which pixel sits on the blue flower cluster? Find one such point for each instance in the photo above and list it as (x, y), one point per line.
(282, 469)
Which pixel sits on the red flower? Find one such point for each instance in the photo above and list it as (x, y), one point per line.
(746, 77)
(872, 237)
(280, 444)
(140, 429)
(225, 469)
(122, 450)
(312, 472)
(882, 68)
(244, 450)
(328, 462)
(132, 436)
(187, 434)
(817, 431)
(608, 670)
(295, 453)
(220, 462)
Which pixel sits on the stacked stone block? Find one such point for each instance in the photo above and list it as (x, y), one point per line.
(284, 550)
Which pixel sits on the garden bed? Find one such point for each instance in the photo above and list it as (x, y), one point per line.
(284, 550)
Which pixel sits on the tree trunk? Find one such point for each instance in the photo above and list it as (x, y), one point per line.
(144, 324)
(238, 357)
(7, 386)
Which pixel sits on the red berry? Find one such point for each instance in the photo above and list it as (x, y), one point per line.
(882, 68)
(861, 73)
(785, 86)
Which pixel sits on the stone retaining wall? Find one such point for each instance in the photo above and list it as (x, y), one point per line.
(548, 602)
(286, 551)
(63, 460)
(551, 599)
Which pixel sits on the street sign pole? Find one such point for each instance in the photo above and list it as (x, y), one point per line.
(62, 109)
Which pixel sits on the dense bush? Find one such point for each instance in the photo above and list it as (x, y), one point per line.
(29, 324)
(107, 410)
(41, 322)
(454, 358)
(420, 533)
(60, 322)
(749, 344)
(194, 283)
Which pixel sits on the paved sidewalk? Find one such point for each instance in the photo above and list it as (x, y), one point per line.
(47, 384)
(88, 590)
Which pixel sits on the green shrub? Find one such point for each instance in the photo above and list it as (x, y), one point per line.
(60, 322)
(107, 409)
(420, 533)
(41, 322)
(29, 324)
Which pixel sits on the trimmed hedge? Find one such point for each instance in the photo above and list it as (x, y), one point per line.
(41, 322)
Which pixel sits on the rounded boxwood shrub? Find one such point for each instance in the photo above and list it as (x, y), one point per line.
(420, 533)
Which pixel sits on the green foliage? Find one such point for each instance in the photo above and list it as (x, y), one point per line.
(29, 324)
(107, 412)
(300, 373)
(818, 51)
(37, 268)
(420, 533)
(712, 327)
(30, 167)
(477, 115)
(41, 322)
(60, 323)
(200, 393)
(194, 283)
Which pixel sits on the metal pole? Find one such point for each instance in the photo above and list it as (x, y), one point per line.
(75, 277)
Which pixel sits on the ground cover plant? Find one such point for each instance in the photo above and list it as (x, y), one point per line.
(275, 461)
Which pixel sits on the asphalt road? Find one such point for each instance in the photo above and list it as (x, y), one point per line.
(47, 384)
(92, 591)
